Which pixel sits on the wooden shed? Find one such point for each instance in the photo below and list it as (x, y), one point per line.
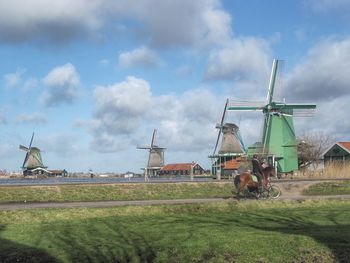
(339, 152)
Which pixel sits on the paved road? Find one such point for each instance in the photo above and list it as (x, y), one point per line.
(95, 180)
(101, 204)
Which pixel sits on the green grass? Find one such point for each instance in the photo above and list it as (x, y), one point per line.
(64, 193)
(329, 188)
(311, 231)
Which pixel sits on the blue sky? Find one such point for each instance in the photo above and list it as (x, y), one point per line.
(93, 79)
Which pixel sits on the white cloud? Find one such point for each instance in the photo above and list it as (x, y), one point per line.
(62, 86)
(104, 62)
(323, 73)
(184, 71)
(329, 6)
(188, 121)
(118, 111)
(35, 118)
(30, 84)
(2, 119)
(202, 22)
(9, 151)
(35, 19)
(126, 111)
(59, 144)
(242, 59)
(13, 79)
(330, 118)
(141, 57)
(217, 24)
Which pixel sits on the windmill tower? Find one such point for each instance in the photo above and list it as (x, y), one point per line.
(155, 157)
(231, 146)
(278, 137)
(32, 163)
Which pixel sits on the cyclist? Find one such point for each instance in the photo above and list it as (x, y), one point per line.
(257, 169)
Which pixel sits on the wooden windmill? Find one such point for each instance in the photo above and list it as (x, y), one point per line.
(231, 146)
(32, 163)
(155, 157)
(278, 135)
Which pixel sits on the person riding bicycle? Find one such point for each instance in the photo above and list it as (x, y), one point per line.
(257, 169)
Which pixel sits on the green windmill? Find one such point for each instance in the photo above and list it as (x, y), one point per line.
(278, 142)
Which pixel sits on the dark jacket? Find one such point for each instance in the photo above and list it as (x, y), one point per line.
(257, 169)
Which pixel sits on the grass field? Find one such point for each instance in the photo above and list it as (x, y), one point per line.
(329, 188)
(100, 192)
(311, 231)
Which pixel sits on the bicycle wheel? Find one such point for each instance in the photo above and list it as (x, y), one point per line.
(274, 191)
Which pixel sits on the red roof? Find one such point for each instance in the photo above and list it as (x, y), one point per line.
(178, 167)
(345, 145)
(231, 164)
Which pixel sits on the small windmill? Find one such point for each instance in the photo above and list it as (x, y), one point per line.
(278, 136)
(155, 157)
(32, 161)
(231, 145)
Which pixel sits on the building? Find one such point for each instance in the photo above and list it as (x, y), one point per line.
(339, 152)
(231, 148)
(182, 169)
(233, 167)
(62, 173)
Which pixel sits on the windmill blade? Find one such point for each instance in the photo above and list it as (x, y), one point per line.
(23, 148)
(220, 127)
(159, 148)
(31, 141)
(294, 106)
(217, 141)
(272, 81)
(246, 105)
(25, 159)
(153, 137)
(241, 141)
(38, 159)
(266, 131)
(224, 113)
(149, 158)
(143, 147)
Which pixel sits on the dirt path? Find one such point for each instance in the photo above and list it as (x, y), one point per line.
(101, 204)
(96, 204)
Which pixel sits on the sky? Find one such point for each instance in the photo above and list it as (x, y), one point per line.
(92, 79)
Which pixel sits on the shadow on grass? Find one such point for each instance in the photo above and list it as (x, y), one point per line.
(187, 233)
(335, 236)
(14, 252)
(105, 240)
(328, 228)
(330, 232)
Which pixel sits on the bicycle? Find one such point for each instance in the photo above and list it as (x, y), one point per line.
(270, 191)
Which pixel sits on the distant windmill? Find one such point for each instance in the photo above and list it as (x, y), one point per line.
(231, 145)
(278, 136)
(155, 157)
(32, 162)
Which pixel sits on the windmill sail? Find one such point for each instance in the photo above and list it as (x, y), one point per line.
(32, 158)
(155, 157)
(220, 126)
(278, 135)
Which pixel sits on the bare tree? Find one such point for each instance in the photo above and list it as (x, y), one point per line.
(311, 147)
